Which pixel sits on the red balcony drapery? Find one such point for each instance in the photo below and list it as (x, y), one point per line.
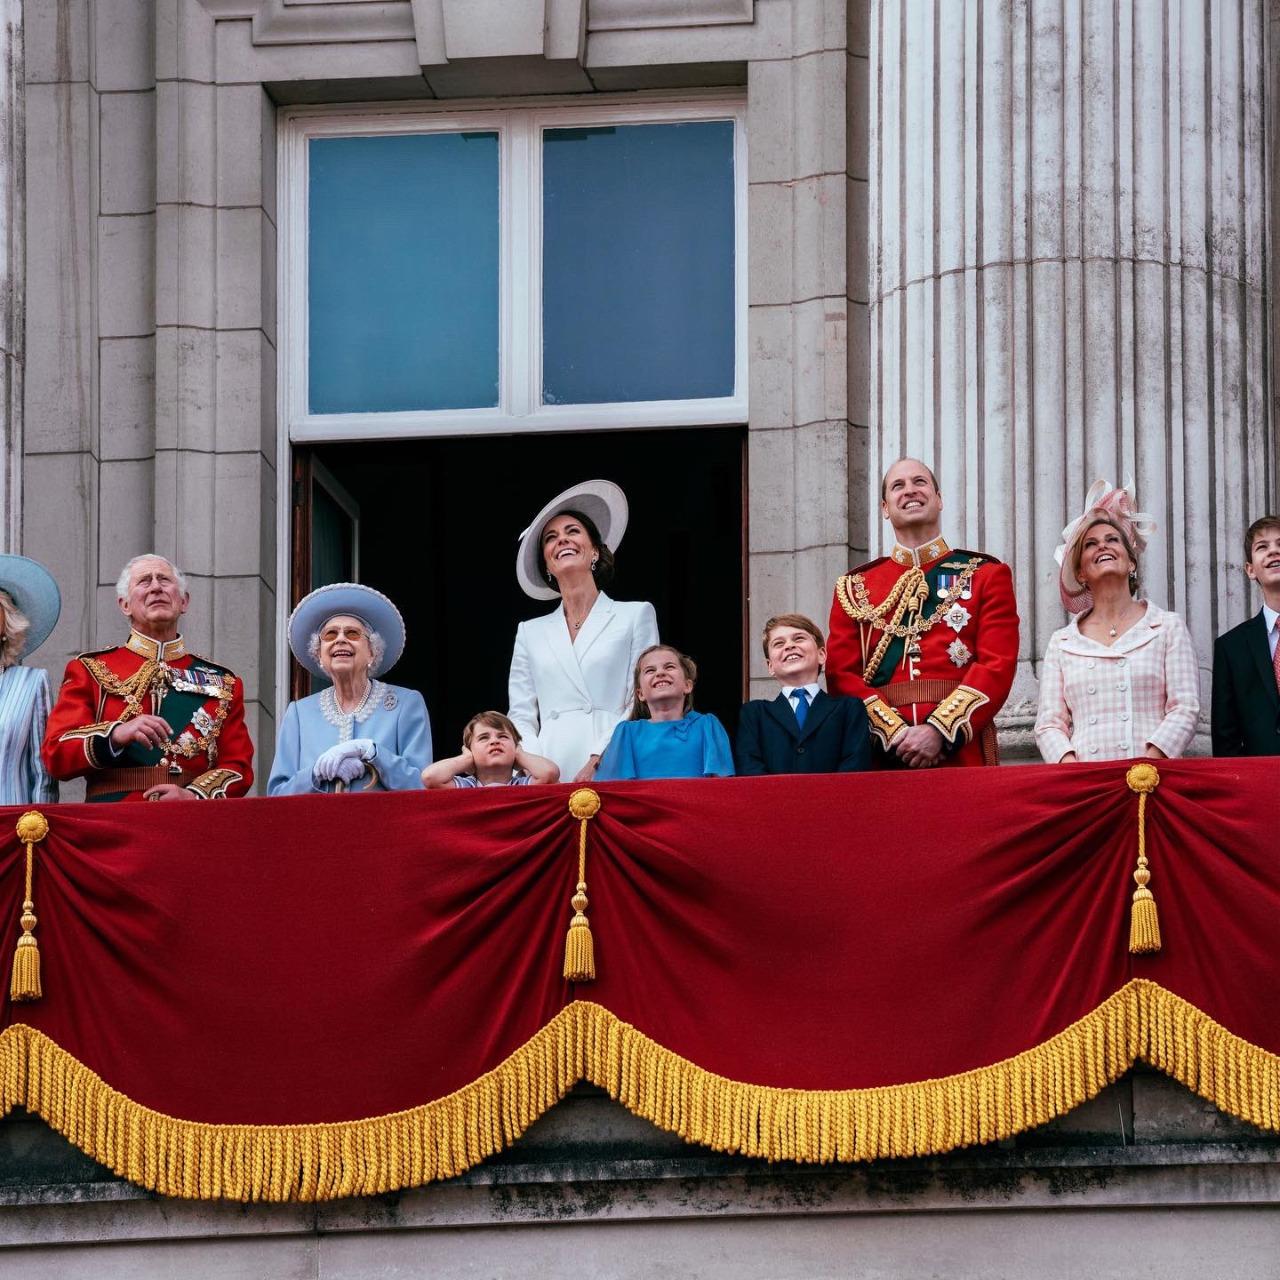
(302, 998)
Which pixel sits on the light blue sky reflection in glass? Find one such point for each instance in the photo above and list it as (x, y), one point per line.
(403, 273)
(637, 260)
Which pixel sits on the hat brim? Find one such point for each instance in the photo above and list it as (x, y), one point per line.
(35, 593)
(357, 601)
(602, 501)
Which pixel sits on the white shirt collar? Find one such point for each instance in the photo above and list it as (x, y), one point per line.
(1269, 616)
(789, 690)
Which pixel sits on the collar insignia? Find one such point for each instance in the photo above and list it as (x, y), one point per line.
(161, 650)
(918, 557)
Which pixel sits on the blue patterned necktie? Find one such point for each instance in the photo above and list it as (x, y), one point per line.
(800, 701)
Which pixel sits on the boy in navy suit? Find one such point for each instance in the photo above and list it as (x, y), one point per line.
(803, 729)
(1246, 661)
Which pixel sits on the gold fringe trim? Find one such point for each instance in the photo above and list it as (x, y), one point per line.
(290, 1162)
(585, 1041)
(928, 1117)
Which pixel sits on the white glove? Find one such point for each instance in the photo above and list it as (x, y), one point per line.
(350, 768)
(365, 748)
(325, 768)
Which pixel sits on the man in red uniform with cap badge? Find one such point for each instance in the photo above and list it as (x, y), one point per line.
(147, 720)
(926, 636)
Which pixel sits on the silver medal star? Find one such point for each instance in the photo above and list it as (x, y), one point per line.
(957, 617)
(958, 652)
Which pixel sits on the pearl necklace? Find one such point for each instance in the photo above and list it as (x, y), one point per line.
(368, 692)
(345, 721)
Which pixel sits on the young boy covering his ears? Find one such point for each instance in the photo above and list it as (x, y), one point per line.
(491, 757)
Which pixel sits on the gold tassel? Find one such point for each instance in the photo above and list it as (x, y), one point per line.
(1144, 923)
(579, 947)
(25, 983)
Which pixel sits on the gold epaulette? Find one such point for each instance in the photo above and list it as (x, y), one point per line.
(209, 662)
(94, 653)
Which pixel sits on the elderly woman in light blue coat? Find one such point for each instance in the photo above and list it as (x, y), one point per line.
(361, 733)
(29, 606)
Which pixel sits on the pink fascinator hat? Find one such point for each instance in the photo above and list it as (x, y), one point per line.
(1101, 502)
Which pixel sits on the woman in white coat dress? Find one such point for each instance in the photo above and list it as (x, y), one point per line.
(571, 671)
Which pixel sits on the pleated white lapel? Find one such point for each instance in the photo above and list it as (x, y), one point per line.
(598, 619)
(558, 638)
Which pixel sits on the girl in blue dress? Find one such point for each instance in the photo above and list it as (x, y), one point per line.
(664, 736)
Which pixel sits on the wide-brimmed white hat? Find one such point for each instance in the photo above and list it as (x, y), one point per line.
(33, 590)
(600, 500)
(353, 600)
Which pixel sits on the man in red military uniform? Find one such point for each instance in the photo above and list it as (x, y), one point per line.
(148, 720)
(926, 636)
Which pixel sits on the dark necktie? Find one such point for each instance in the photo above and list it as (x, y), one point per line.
(800, 699)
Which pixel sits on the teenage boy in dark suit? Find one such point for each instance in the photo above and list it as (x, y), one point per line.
(803, 729)
(1246, 661)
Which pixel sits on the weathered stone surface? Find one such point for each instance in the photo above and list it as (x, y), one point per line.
(59, 267)
(126, 276)
(187, 373)
(126, 523)
(124, 49)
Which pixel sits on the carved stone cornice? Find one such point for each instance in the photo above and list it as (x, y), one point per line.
(474, 32)
(633, 15)
(320, 21)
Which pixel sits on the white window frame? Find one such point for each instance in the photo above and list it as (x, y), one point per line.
(519, 405)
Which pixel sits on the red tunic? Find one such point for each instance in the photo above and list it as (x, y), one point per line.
(209, 752)
(943, 652)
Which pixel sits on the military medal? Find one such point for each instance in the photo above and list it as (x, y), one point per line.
(958, 652)
(957, 617)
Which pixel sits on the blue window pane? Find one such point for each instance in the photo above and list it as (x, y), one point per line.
(637, 260)
(403, 273)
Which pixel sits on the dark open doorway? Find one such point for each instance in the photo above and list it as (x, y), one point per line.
(437, 526)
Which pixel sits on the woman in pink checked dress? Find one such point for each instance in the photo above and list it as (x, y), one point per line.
(1121, 678)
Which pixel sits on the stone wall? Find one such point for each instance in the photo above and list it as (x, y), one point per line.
(12, 268)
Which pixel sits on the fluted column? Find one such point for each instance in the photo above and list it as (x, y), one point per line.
(1068, 281)
(12, 231)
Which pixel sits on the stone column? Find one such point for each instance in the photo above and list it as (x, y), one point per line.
(1068, 281)
(12, 270)
(800, 438)
(215, 446)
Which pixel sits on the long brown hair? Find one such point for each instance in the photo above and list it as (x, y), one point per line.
(640, 708)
